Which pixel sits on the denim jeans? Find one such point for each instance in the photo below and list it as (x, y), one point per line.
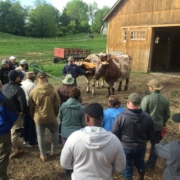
(29, 131)
(151, 162)
(40, 130)
(134, 157)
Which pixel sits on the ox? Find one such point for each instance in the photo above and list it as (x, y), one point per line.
(96, 58)
(114, 70)
(86, 66)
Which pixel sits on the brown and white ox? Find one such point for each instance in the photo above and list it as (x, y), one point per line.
(114, 70)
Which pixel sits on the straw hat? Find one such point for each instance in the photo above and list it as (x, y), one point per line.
(155, 84)
(68, 79)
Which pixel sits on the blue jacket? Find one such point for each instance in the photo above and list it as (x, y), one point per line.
(74, 70)
(109, 117)
(8, 115)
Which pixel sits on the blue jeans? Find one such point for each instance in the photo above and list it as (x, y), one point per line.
(53, 128)
(29, 131)
(134, 157)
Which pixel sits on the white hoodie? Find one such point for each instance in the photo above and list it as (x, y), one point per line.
(93, 154)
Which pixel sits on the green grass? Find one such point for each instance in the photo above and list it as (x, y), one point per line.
(40, 49)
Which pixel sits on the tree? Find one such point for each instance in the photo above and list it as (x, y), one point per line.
(12, 17)
(92, 9)
(77, 10)
(98, 20)
(64, 21)
(43, 20)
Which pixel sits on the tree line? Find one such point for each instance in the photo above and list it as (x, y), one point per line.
(45, 20)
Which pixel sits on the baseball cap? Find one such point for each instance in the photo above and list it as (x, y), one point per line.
(135, 99)
(70, 58)
(13, 74)
(12, 57)
(41, 75)
(94, 110)
(23, 61)
(21, 74)
(4, 61)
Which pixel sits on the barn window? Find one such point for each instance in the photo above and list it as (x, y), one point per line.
(125, 35)
(138, 35)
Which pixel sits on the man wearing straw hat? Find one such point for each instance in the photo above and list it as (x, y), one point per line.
(64, 90)
(158, 107)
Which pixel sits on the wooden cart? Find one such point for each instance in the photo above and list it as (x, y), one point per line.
(63, 53)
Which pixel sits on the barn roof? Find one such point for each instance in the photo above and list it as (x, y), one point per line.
(115, 6)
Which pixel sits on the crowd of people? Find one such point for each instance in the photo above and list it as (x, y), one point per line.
(96, 142)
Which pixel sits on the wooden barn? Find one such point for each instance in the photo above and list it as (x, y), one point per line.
(148, 31)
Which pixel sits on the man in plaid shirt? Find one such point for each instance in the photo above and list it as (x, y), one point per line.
(64, 90)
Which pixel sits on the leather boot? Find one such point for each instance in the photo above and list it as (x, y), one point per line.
(140, 174)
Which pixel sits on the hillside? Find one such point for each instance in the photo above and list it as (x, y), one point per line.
(42, 48)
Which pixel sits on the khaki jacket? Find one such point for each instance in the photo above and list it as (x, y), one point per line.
(44, 103)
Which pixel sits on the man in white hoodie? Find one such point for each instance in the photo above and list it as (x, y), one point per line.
(92, 152)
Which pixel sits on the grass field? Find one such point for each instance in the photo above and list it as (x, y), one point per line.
(42, 49)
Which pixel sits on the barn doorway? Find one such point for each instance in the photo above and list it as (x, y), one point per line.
(166, 49)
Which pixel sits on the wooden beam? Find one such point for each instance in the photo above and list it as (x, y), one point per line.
(151, 26)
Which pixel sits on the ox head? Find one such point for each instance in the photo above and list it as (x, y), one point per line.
(101, 70)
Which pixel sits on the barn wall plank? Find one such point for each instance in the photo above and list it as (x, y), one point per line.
(137, 13)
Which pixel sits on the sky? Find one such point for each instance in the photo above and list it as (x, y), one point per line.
(60, 4)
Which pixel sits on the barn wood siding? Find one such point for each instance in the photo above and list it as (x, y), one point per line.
(140, 14)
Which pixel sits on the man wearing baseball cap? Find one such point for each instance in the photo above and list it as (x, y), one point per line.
(23, 66)
(44, 106)
(73, 69)
(13, 62)
(134, 128)
(15, 93)
(157, 106)
(171, 154)
(92, 152)
(4, 71)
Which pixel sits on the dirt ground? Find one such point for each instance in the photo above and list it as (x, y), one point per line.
(29, 165)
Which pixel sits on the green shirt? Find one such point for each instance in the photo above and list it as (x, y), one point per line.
(71, 115)
(158, 107)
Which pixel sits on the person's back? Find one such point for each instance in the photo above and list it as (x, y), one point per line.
(15, 93)
(170, 153)
(65, 89)
(44, 105)
(45, 101)
(92, 152)
(134, 128)
(71, 116)
(111, 112)
(156, 105)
